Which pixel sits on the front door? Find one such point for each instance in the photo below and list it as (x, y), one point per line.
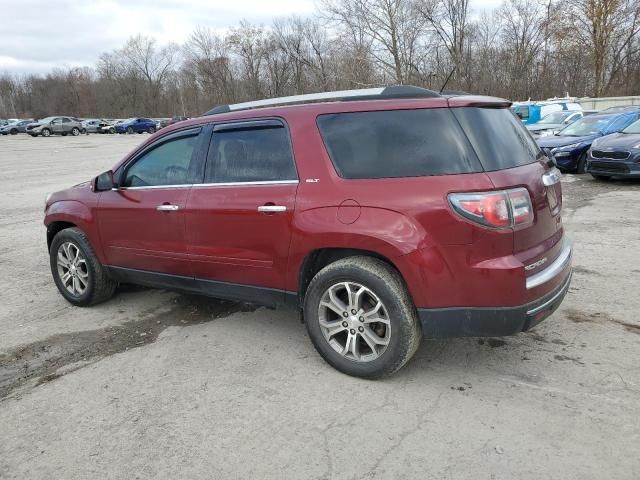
(142, 223)
(239, 220)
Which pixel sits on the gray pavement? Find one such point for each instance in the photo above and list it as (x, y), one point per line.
(160, 385)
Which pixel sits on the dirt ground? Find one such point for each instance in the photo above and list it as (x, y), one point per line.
(154, 384)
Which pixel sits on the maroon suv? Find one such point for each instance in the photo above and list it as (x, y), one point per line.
(384, 216)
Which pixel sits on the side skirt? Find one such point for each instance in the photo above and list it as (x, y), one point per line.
(270, 297)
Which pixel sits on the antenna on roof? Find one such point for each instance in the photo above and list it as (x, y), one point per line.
(447, 80)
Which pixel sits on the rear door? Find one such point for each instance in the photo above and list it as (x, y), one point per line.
(142, 223)
(238, 220)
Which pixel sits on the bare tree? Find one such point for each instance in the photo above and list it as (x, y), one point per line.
(393, 27)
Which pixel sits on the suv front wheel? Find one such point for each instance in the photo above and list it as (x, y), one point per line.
(360, 317)
(76, 270)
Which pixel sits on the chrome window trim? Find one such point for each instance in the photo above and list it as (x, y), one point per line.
(558, 265)
(225, 184)
(153, 187)
(249, 184)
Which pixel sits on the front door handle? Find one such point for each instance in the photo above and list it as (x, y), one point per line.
(272, 208)
(167, 208)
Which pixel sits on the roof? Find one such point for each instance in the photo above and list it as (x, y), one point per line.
(397, 92)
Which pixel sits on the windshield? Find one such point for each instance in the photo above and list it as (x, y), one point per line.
(557, 117)
(633, 128)
(586, 126)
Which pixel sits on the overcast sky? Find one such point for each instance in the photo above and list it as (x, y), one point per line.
(38, 35)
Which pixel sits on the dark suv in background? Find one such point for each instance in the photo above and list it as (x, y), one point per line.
(394, 215)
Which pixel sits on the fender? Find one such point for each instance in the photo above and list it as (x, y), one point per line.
(384, 232)
(79, 214)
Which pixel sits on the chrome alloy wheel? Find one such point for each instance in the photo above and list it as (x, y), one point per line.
(72, 269)
(354, 321)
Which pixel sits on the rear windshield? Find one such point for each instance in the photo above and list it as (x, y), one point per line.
(425, 142)
(397, 143)
(498, 137)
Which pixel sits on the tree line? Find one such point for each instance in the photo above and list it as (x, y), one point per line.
(521, 49)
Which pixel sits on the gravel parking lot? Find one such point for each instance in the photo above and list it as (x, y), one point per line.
(154, 384)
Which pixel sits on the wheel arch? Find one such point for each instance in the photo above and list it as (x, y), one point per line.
(56, 227)
(319, 258)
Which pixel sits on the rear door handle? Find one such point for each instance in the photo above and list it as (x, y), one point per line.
(272, 208)
(167, 208)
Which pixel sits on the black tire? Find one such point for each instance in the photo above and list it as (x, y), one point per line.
(129, 130)
(46, 132)
(75, 131)
(64, 134)
(385, 282)
(34, 135)
(100, 287)
(582, 163)
(604, 178)
(152, 130)
(112, 130)
(14, 131)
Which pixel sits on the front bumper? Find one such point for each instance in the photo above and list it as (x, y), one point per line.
(501, 321)
(613, 168)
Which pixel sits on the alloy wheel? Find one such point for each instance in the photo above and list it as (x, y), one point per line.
(354, 321)
(72, 269)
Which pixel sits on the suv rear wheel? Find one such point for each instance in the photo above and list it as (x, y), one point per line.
(76, 270)
(360, 317)
(46, 132)
(75, 131)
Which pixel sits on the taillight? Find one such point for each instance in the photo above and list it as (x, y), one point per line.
(499, 209)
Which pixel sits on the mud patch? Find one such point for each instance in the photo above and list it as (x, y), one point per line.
(566, 358)
(496, 342)
(577, 316)
(42, 360)
(585, 271)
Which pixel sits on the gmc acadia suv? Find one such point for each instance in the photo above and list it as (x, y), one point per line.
(396, 214)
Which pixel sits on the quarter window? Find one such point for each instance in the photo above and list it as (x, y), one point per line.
(250, 155)
(397, 143)
(167, 164)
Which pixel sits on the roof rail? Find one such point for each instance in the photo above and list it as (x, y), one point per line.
(381, 93)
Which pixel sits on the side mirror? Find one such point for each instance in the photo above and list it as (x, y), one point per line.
(104, 182)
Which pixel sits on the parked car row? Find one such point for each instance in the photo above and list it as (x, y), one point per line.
(61, 125)
(605, 144)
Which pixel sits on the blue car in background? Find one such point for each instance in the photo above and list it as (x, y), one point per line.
(136, 125)
(569, 146)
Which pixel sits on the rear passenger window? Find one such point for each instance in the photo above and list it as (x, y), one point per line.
(250, 155)
(397, 143)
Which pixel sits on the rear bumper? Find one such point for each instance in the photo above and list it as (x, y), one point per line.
(500, 321)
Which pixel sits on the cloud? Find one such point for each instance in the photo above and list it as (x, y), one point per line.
(38, 36)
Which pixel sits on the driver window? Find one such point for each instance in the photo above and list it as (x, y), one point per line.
(167, 164)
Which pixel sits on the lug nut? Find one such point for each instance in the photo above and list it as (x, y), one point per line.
(361, 329)
(345, 314)
(352, 331)
(361, 319)
(344, 324)
(353, 311)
